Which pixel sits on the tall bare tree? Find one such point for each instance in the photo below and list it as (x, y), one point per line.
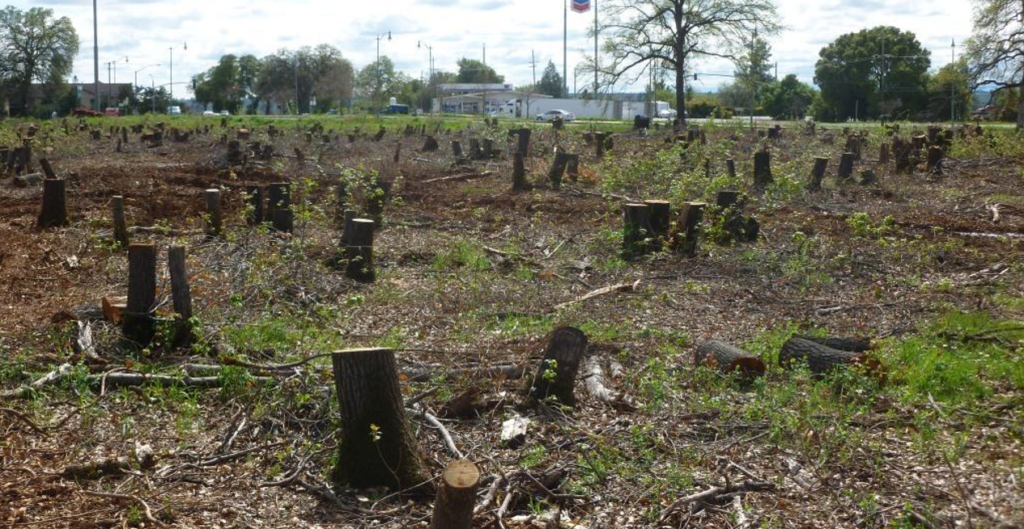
(996, 51)
(672, 33)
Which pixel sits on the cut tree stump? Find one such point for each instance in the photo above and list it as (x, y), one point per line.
(935, 156)
(599, 141)
(54, 212)
(686, 239)
(120, 225)
(376, 448)
(820, 358)
(137, 319)
(430, 145)
(557, 170)
(181, 295)
(47, 169)
(730, 167)
(573, 167)
(883, 154)
(519, 172)
(845, 171)
(523, 140)
(359, 250)
(636, 230)
(556, 376)
(456, 496)
(817, 174)
(762, 169)
(253, 205)
(278, 197)
(660, 221)
(214, 219)
(728, 359)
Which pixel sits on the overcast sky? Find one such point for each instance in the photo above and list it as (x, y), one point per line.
(143, 30)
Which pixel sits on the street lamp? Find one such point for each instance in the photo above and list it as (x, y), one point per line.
(112, 65)
(379, 83)
(171, 50)
(139, 70)
(430, 65)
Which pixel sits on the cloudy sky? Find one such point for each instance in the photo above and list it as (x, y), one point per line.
(143, 30)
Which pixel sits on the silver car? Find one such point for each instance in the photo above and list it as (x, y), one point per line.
(550, 115)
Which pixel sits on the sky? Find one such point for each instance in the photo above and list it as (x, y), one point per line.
(139, 33)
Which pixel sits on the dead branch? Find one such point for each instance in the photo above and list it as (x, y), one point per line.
(621, 287)
(147, 513)
(714, 493)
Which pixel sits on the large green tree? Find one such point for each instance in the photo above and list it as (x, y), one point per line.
(643, 33)
(302, 75)
(379, 83)
(551, 82)
(996, 50)
(874, 72)
(221, 85)
(788, 99)
(474, 71)
(949, 93)
(34, 47)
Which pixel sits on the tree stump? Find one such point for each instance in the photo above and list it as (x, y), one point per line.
(556, 376)
(456, 496)
(573, 167)
(599, 141)
(558, 166)
(283, 221)
(523, 140)
(120, 226)
(636, 230)
(660, 213)
(935, 156)
(214, 220)
(487, 149)
(820, 358)
(519, 173)
(346, 224)
(430, 145)
(376, 448)
(181, 295)
(253, 205)
(686, 238)
(234, 156)
(817, 174)
(868, 177)
(279, 196)
(359, 250)
(901, 151)
(48, 171)
(883, 154)
(730, 167)
(475, 151)
(728, 358)
(137, 318)
(54, 212)
(380, 134)
(762, 169)
(845, 171)
(457, 149)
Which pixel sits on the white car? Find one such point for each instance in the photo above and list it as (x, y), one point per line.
(174, 110)
(225, 113)
(668, 113)
(550, 115)
(210, 113)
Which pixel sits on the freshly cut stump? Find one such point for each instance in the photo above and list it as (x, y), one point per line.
(376, 449)
(556, 376)
(456, 496)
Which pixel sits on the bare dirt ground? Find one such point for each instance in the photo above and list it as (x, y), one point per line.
(472, 276)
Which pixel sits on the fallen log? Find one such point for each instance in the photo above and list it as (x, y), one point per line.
(714, 493)
(820, 358)
(857, 345)
(459, 177)
(728, 359)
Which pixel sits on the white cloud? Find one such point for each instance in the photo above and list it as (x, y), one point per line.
(144, 30)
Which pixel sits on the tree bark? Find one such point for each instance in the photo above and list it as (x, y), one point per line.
(730, 167)
(518, 172)
(214, 220)
(883, 154)
(556, 376)
(857, 345)
(48, 171)
(845, 171)
(359, 251)
(817, 174)
(120, 226)
(54, 212)
(456, 496)
(376, 447)
(728, 358)
(935, 155)
(181, 295)
(557, 170)
(762, 169)
(660, 221)
(138, 314)
(820, 358)
(686, 239)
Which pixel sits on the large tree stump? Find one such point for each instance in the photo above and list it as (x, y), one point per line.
(901, 151)
(457, 149)
(137, 318)
(181, 294)
(845, 171)
(817, 174)
(557, 170)
(279, 196)
(935, 156)
(686, 239)
(599, 141)
(476, 152)
(348, 216)
(762, 169)
(430, 144)
(519, 172)
(253, 205)
(120, 225)
(214, 219)
(660, 221)
(572, 167)
(523, 140)
(883, 154)
(556, 376)
(376, 448)
(820, 358)
(728, 358)
(730, 167)
(54, 212)
(234, 156)
(487, 149)
(636, 230)
(359, 250)
(456, 496)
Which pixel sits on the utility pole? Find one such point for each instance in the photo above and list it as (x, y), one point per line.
(171, 64)
(565, 48)
(882, 79)
(952, 84)
(96, 57)
(533, 62)
(596, 31)
(379, 82)
(297, 111)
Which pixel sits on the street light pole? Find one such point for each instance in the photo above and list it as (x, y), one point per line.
(952, 84)
(379, 83)
(171, 84)
(96, 57)
(430, 67)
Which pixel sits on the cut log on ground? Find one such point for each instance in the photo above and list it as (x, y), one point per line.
(556, 375)
(728, 359)
(376, 447)
(820, 358)
(857, 345)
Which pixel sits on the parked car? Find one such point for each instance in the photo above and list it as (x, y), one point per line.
(174, 110)
(112, 112)
(225, 113)
(550, 115)
(667, 113)
(85, 112)
(210, 113)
